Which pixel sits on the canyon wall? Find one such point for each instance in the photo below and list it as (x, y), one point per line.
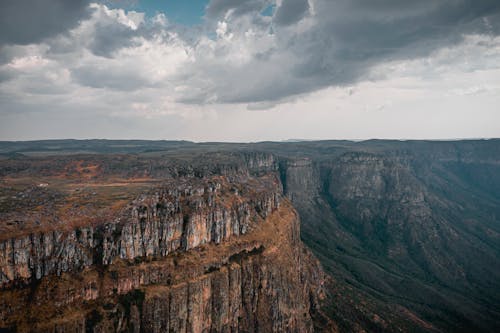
(154, 225)
(203, 254)
(404, 220)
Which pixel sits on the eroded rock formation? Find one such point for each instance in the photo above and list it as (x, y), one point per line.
(191, 255)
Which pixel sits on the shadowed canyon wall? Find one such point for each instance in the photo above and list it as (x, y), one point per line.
(414, 227)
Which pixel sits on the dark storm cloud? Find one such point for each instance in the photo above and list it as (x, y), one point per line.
(349, 37)
(111, 36)
(304, 47)
(291, 11)
(352, 35)
(30, 21)
(339, 44)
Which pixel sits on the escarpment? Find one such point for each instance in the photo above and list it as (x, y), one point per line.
(154, 224)
(165, 236)
(205, 253)
(415, 222)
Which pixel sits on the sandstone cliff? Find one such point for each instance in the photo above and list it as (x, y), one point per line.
(408, 232)
(191, 255)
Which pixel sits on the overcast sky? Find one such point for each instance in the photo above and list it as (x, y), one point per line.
(249, 70)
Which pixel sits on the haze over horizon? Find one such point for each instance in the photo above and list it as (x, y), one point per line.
(249, 70)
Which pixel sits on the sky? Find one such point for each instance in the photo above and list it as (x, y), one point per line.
(249, 70)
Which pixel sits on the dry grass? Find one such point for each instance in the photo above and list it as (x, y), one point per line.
(40, 204)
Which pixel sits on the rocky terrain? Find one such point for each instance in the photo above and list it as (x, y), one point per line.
(154, 235)
(412, 227)
(208, 250)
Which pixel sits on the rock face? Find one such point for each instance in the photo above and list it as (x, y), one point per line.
(177, 236)
(193, 255)
(300, 179)
(154, 225)
(412, 220)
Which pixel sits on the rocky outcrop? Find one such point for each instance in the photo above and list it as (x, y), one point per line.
(408, 232)
(156, 224)
(204, 255)
(371, 185)
(300, 178)
(397, 219)
(37, 255)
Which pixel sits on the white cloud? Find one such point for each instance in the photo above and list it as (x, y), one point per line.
(130, 19)
(124, 69)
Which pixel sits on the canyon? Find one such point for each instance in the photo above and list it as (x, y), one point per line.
(209, 251)
(327, 236)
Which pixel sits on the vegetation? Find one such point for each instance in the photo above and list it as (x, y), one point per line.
(408, 231)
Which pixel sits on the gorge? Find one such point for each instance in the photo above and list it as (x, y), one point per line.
(163, 236)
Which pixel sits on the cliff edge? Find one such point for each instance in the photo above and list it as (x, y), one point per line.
(213, 253)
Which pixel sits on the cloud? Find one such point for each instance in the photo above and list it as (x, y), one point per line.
(220, 8)
(113, 30)
(291, 11)
(251, 58)
(30, 21)
(348, 38)
(307, 46)
(112, 63)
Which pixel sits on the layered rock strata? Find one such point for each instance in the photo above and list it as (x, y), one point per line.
(156, 224)
(205, 256)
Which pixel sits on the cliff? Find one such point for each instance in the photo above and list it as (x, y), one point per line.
(207, 254)
(123, 239)
(155, 224)
(411, 226)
